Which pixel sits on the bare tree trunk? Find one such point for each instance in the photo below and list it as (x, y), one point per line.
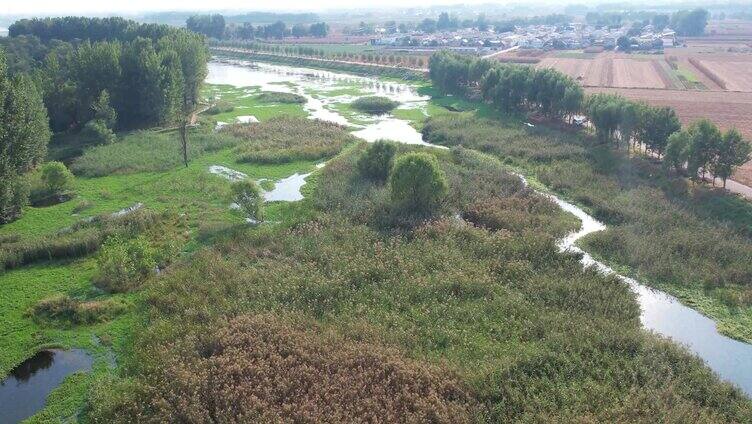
(184, 140)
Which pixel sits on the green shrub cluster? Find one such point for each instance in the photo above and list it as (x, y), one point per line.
(418, 185)
(79, 240)
(220, 107)
(284, 140)
(281, 97)
(374, 105)
(376, 162)
(144, 151)
(65, 310)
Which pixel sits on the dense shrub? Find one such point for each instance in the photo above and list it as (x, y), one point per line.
(260, 369)
(79, 240)
(376, 162)
(280, 97)
(220, 107)
(144, 151)
(374, 105)
(64, 310)
(97, 132)
(283, 140)
(124, 264)
(248, 196)
(521, 213)
(56, 177)
(417, 183)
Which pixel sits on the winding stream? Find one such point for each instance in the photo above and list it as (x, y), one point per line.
(664, 314)
(660, 312)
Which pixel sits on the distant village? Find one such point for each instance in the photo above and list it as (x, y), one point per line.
(545, 37)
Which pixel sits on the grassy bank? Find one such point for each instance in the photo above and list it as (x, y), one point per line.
(472, 323)
(692, 242)
(50, 303)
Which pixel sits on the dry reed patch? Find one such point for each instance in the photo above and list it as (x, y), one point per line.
(262, 369)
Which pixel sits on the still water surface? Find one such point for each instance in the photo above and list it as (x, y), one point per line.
(25, 390)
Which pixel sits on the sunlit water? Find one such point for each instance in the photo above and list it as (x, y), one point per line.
(304, 82)
(662, 313)
(25, 390)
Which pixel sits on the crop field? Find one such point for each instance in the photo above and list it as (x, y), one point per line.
(607, 71)
(735, 74)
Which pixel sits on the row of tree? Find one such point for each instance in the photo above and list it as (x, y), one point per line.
(699, 149)
(375, 57)
(214, 26)
(510, 87)
(24, 134)
(134, 82)
(71, 28)
(94, 86)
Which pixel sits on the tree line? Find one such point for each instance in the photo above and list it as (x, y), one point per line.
(142, 72)
(698, 149)
(510, 87)
(215, 26)
(91, 83)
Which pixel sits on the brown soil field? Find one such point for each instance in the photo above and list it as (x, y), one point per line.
(737, 76)
(606, 70)
(726, 108)
(629, 73)
(729, 27)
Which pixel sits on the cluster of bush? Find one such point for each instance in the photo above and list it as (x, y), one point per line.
(283, 140)
(280, 97)
(64, 310)
(374, 105)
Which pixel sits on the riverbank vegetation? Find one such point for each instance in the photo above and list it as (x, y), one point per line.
(673, 236)
(418, 305)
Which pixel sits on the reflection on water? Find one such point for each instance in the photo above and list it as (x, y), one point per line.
(664, 314)
(306, 81)
(25, 390)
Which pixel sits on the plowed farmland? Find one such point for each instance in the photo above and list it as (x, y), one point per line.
(736, 75)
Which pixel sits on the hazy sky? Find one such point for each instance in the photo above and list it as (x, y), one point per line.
(114, 6)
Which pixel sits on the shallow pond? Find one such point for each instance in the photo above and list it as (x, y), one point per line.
(315, 85)
(25, 390)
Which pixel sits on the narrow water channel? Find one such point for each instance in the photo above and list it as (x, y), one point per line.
(24, 392)
(662, 313)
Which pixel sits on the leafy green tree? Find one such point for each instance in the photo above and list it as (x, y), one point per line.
(704, 139)
(103, 111)
(97, 132)
(248, 196)
(690, 23)
(193, 55)
(56, 177)
(656, 125)
(418, 185)
(676, 150)
(24, 134)
(376, 162)
(732, 152)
